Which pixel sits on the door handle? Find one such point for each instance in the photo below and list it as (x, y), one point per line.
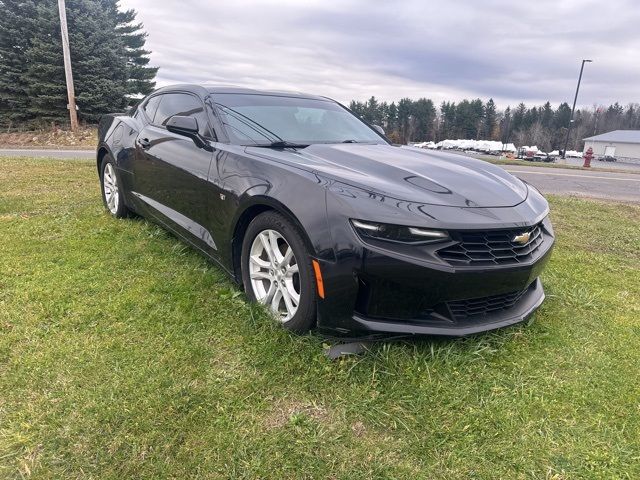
(144, 143)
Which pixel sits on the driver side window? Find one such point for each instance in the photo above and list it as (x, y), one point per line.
(185, 105)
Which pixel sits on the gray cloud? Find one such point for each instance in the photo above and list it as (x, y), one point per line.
(511, 51)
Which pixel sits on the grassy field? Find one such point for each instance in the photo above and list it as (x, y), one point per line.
(124, 354)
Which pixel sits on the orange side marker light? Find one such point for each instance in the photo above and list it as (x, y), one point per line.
(319, 282)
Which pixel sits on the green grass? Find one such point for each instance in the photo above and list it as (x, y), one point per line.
(124, 354)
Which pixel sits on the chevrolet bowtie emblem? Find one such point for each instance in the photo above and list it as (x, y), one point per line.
(523, 238)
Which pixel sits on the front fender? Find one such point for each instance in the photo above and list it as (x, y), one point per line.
(250, 185)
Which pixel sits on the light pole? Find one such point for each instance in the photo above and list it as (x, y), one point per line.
(73, 115)
(575, 99)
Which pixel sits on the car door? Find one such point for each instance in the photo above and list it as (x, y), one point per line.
(170, 170)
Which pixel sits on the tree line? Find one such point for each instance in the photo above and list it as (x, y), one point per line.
(545, 126)
(109, 61)
(111, 70)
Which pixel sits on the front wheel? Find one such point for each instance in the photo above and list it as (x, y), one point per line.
(112, 194)
(277, 271)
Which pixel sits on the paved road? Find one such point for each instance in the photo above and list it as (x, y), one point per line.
(40, 153)
(597, 184)
(609, 186)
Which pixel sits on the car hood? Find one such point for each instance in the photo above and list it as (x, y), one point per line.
(407, 173)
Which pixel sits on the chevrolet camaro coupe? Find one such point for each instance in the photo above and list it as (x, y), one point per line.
(317, 216)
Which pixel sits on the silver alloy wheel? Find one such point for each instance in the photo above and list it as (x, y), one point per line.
(274, 275)
(110, 186)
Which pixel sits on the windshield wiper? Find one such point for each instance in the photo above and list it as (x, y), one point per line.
(350, 141)
(281, 144)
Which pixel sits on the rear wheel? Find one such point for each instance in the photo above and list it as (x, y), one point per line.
(277, 271)
(112, 194)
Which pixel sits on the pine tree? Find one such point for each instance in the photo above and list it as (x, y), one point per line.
(392, 117)
(561, 118)
(140, 74)
(15, 27)
(358, 108)
(448, 113)
(425, 114)
(546, 116)
(490, 119)
(405, 126)
(110, 65)
(518, 117)
(371, 112)
(45, 67)
(469, 115)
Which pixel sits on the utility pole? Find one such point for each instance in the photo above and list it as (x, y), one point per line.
(73, 114)
(506, 142)
(566, 143)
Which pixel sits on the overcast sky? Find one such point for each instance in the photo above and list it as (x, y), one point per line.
(510, 50)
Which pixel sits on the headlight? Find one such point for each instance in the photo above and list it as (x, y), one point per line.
(398, 233)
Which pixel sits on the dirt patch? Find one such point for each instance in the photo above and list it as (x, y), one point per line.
(283, 413)
(358, 429)
(86, 136)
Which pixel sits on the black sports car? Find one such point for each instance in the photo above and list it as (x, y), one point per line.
(319, 217)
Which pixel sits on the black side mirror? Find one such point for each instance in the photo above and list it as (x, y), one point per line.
(379, 129)
(187, 126)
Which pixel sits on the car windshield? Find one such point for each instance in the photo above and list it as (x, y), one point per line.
(270, 119)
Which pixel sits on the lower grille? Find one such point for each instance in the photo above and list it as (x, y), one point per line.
(477, 307)
(492, 247)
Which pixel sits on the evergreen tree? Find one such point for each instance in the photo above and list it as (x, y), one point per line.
(631, 117)
(518, 116)
(45, 66)
(530, 117)
(562, 116)
(110, 65)
(356, 108)
(448, 114)
(490, 120)
(140, 75)
(561, 119)
(614, 116)
(16, 23)
(392, 117)
(425, 114)
(372, 112)
(405, 109)
(469, 116)
(546, 116)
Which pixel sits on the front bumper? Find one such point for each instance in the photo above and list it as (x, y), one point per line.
(442, 325)
(372, 293)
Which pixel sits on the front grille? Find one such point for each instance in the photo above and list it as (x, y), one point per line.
(492, 247)
(475, 307)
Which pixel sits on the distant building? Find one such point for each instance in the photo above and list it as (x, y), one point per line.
(621, 144)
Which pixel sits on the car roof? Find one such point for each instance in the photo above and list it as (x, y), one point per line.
(203, 89)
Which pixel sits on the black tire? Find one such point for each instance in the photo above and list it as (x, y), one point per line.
(305, 316)
(121, 211)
